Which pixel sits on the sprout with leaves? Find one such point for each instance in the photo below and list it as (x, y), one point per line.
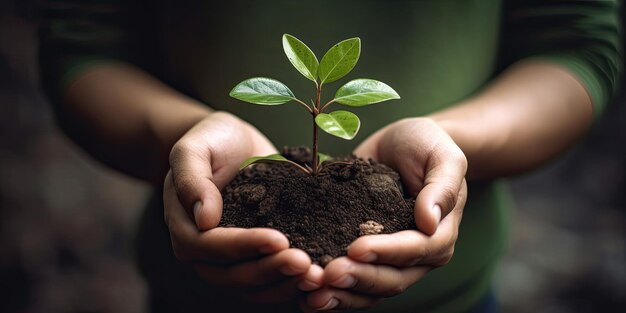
(336, 63)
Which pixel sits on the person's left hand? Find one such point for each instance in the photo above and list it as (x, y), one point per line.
(433, 169)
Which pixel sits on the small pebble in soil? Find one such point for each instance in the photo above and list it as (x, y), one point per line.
(320, 214)
(370, 228)
(325, 259)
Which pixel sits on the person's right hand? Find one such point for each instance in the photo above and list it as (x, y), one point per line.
(258, 261)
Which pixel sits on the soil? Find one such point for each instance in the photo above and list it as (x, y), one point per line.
(322, 214)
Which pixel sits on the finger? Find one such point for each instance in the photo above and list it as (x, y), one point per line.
(312, 279)
(405, 248)
(266, 270)
(192, 179)
(329, 298)
(409, 247)
(230, 245)
(368, 148)
(282, 291)
(219, 244)
(445, 178)
(374, 280)
(290, 288)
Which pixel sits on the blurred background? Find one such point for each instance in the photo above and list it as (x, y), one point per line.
(67, 223)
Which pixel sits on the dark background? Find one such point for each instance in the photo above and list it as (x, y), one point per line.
(67, 223)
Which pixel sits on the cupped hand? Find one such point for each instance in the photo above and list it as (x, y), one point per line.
(433, 169)
(258, 261)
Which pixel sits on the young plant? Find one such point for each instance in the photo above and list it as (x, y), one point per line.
(336, 63)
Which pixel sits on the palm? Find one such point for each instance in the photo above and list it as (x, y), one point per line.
(433, 169)
(226, 143)
(202, 162)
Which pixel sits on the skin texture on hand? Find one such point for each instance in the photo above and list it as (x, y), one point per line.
(257, 262)
(525, 117)
(129, 120)
(433, 168)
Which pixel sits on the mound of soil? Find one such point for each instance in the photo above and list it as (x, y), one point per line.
(320, 214)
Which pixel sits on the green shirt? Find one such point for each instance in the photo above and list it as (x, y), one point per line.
(433, 53)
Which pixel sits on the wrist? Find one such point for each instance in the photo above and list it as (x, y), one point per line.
(167, 127)
(478, 139)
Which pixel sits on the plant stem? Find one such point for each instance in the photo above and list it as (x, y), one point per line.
(314, 157)
(316, 111)
(303, 104)
(326, 105)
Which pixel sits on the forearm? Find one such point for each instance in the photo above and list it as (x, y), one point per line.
(127, 119)
(528, 115)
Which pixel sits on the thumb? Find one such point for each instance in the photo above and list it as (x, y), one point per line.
(193, 181)
(442, 189)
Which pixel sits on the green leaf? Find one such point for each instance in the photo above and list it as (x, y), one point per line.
(302, 58)
(342, 124)
(263, 159)
(262, 90)
(361, 92)
(321, 157)
(339, 60)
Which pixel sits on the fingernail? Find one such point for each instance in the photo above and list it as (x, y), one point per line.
(368, 257)
(346, 281)
(196, 208)
(333, 303)
(436, 213)
(307, 285)
(288, 270)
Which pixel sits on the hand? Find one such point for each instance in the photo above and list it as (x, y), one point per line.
(258, 261)
(433, 168)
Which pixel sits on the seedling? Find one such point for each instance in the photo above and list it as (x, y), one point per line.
(336, 63)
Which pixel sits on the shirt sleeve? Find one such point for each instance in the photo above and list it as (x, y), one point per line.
(75, 35)
(581, 35)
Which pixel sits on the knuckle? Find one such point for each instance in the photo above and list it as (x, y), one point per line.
(347, 305)
(444, 261)
(449, 198)
(185, 184)
(446, 257)
(453, 237)
(459, 157)
(183, 181)
(370, 285)
(177, 151)
(395, 290)
(420, 251)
